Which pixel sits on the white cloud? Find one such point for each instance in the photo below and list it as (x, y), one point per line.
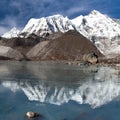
(15, 4)
(3, 30)
(8, 23)
(9, 20)
(74, 10)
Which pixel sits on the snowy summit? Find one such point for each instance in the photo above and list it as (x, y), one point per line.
(97, 24)
(48, 25)
(14, 32)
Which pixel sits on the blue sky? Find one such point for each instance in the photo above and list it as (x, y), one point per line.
(16, 13)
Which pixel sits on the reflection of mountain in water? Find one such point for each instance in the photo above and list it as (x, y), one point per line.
(95, 87)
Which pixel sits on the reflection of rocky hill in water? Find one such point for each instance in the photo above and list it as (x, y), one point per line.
(97, 89)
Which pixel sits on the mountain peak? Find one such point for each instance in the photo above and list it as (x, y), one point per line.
(95, 12)
(14, 32)
(14, 29)
(55, 16)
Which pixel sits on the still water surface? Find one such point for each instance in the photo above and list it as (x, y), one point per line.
(58, 91)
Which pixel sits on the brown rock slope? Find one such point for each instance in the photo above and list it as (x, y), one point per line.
(69, 46)
(8, 53)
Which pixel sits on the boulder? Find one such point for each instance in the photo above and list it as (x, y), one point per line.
(90, 58)
(32, 115)
(9, 53)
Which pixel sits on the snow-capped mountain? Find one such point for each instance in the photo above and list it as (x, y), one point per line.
(96, 24)
(92, 25)
(48, 25)
(100, 29)
(14, 32)
(103, 31)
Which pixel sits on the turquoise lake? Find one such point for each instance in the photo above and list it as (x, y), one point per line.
(59, 91)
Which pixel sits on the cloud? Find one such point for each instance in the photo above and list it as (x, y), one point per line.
(11, 21)
(75, 10)
(8, 23)
(3, 30)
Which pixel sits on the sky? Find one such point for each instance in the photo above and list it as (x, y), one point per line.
(16, 13)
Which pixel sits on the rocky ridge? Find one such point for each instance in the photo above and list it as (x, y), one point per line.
(70, 46)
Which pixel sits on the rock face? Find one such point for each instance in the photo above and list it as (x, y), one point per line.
(9, 53)
(54, 35)
(35, 51)
(70, 46)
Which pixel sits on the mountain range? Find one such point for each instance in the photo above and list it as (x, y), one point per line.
(100, 29)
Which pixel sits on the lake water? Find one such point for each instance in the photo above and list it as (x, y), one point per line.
(58, 91)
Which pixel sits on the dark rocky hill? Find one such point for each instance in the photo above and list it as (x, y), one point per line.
(69, 46)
